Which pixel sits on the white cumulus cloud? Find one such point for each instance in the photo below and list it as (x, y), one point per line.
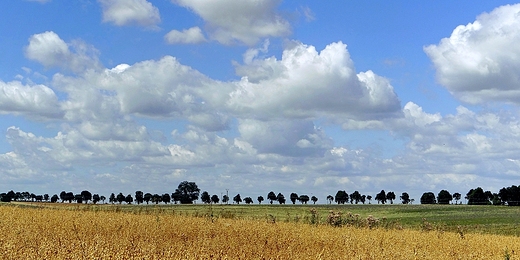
(306, 83)
(188, 36)
(37, 100)
(480, 61)
(230, 21)
(128, 12)
(51, 51)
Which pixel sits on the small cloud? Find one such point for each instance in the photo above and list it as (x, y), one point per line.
(192, 35)
(128, 12)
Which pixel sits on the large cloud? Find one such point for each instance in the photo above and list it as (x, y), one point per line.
(160, 89)
(38, 100)
(480, 61)
(246, 22)
(127, 12)
(306, 84)
(51, 51)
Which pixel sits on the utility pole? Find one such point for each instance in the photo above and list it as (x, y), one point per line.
(227, 194)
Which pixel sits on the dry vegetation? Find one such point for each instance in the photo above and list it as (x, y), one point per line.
(87, 233)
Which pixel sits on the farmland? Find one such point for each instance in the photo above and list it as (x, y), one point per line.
(70, 231)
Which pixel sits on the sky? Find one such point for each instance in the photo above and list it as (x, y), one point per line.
(248, 97)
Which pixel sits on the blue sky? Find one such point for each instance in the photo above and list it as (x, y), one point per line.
(254, 96)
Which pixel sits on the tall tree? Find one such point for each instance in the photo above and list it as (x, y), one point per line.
(293, 197)
(166, 198)
(112, 199)
(205, 197)
(355, 197)
(314, 199)
(248, 200)
(215, 199)
(189, 192)
(369, 198)
(330, 199)
(129, 199)
(405, 198)
(260, 199)
(156, 198)
(139, 197)
(477, 197)
(304, 199)
(444, 197)
(390, 196)
(456, 197)
(225, 199)
(54, 198)
(237, 199)
(341, 197)
(381, 197)
(147, 197)
(87, 196)
(120, 198)
(280, 198)
(428, 198)
(271, 197)
(95, 198)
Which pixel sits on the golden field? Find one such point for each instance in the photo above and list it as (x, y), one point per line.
(45, 233)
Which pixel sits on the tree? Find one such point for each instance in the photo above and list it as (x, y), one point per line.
(444, 197)
(456, 197)
(280, 198)
(405, 198)
(271, 197)
(294, 197)
(103, 198)
(189, 192)
(260, 199)
(166, 198)
(428, 198)
(477, 197)
(369, 198)
(330, 199)
(225, 199)
(46, 197)
(112, 198)
(147, 197)
(237, 199)
(215, 199)
(381, 197)
(176, 197)
(314, 199)
(87, 196)
(248, 200)
(363, 198)
(355, 197)
(54, 198)
(390, 196)
(120, 198)
(341, 197)
(510, 195)
(95, 198)
(156, 198)
(139, 197)
(205, 197)
(78, 198)
(129, 199)
(303, 199)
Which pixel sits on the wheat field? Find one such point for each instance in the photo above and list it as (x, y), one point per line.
(43, 233)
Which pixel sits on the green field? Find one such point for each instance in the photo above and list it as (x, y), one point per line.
(500, 220)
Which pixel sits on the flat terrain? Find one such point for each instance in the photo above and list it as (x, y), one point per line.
(70, 231)
(486, 219)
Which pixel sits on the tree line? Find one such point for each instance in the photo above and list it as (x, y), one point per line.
(189, 192)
